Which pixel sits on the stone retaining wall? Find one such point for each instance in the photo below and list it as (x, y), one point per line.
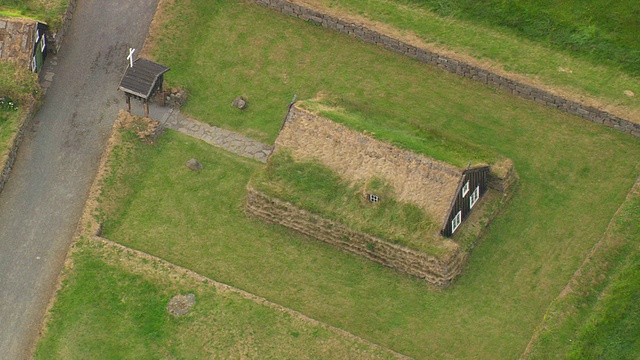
(55, 39)
(436, 271)
(454, 66)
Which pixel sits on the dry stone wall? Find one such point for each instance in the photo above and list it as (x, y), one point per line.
(16, 40)
(454, 66)
(416, 179)
(438, 271)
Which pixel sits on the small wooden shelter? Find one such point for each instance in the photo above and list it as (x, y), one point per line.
(142, 81)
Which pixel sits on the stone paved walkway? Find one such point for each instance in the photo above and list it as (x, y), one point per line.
(229, 140)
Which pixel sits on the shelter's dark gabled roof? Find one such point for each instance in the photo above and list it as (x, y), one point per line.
(140, 79)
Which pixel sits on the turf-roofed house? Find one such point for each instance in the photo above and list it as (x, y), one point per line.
(368, 197)
(23, 41)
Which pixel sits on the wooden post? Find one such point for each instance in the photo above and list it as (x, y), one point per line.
(161, 90)
(129, 103)
(146, 108)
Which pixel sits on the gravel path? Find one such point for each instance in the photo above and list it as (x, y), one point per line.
(43, 199)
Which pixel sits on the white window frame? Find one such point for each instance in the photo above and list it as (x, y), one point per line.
(473, 199)
(457, 220)
(465, 189)
(43, 43)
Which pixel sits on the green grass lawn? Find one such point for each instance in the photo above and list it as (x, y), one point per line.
(227, 54)
(599, 30)
(48, 11)
(113, 305)
(600, 317)
(526, 258)
(9, 122)
(574, 175)
(18, 86)
(583, 48)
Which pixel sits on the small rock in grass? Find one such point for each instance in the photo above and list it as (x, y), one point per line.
(181, 304)
(629, 93)
(240, 103)
(194, 165)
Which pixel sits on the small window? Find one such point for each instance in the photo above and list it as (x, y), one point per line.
(457, 220)
(374, 198)
(474, 197)
(465, 189)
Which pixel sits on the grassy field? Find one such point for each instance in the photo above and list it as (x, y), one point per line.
(571, 47)
(599, 30)
(18, 87)
(574, 175)
(526, 258)
(599, 318)
(197, 220)
(113, 306)
(48, 11)
(268, 68)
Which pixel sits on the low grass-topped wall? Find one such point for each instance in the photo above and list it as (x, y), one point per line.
(436, 270)
(455, 66)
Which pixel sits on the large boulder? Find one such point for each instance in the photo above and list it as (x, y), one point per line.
(194, 165)
(240, 103)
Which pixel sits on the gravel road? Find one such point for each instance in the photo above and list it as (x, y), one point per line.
(42, 202)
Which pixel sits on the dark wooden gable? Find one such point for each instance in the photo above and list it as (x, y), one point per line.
(40, 46)
(472, 186)
(143, 78)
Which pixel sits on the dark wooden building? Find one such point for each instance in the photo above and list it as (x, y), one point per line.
(39, 52)
(142, 81)
(471, 188)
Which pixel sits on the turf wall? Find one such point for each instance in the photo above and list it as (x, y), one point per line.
(454, 66)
